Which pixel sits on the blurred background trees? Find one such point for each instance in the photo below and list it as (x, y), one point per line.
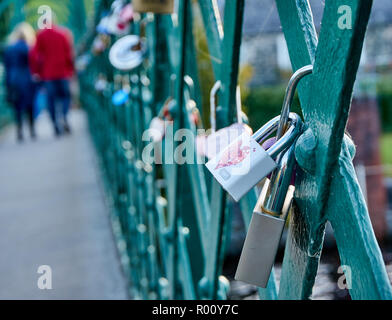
(72, 14)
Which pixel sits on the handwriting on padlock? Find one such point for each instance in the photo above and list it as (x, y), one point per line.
(237, 167)
(212, 144)
(269, 217)
(233, 155)
(244, 163)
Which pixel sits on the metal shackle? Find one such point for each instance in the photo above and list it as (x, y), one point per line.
(244, 163)
(142, 22)
(214, 90)
(289, 96)
(288, 139)
(170, 102)
(190, 85)
(191, 106)
(280, 182)
(267, 223)
(213, 108)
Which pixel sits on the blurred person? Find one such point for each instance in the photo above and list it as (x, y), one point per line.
(51, 61)
(20, 86)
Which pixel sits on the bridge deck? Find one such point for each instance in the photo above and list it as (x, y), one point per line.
(52, 212)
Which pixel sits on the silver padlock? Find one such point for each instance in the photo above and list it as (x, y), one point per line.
(267, 224)
(244, 163)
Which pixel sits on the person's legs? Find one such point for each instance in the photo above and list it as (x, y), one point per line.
(50, 87)
(64, 94)
(15, 100)
(30, 114)
(18, 109)
(30, 107)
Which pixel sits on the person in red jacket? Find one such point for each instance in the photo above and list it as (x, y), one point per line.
(51, 61)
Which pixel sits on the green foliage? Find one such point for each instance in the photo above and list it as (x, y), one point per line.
(386, 148)
(384, 92)
(259, 104)
(264, 103)
(206, 71)
(5, 109)
(4, 22)
(204, 64)
(69, 13)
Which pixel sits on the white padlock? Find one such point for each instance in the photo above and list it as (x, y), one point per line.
(127, 53)
(158, 124)
(101, 84)
(244, 163)
(117, 21)
(210, 145)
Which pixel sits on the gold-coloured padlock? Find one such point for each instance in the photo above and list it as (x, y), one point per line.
(155, 6)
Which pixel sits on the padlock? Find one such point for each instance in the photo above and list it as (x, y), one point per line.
(269, 216)
(267, 224)
(157, 128)
(194, 113)
(82, 62)
(117, 20)
(121, 96)
(125, 17)
(127, 53)
(289, 96)
(158, 125)
(244, 163)
(101, 83)
(210, 145)
(102, 27)
(155, 6)
(191, 106)
(115, 26)
(100, 43)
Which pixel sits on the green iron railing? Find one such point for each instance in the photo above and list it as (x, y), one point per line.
(5, 109)
(172, 221)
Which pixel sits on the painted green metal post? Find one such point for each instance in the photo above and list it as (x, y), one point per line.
(172, 219)
(325, 164)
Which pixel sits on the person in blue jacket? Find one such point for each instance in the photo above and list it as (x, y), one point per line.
(18, 78)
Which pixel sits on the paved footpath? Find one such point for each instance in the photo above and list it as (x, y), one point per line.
(52, 212)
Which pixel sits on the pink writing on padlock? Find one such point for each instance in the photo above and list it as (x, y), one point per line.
(211, 145)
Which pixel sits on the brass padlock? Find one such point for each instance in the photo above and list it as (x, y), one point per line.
(154, 6)
(267, 224)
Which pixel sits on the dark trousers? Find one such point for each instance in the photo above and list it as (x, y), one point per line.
(58, 92)
(19, 112)
(22, 98)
